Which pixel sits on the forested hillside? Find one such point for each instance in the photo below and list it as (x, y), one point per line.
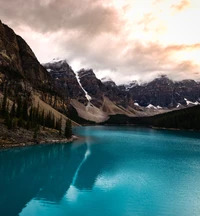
(188, 118)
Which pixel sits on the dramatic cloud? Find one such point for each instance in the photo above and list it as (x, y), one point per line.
(123, 39)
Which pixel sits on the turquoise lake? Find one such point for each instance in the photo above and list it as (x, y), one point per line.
(113, 171)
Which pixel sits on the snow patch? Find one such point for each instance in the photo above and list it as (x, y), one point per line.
(150, 106)
(136, 104)
(190, 102)
(89, 98)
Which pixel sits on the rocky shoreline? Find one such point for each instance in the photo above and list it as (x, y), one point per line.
(38, 142)
(20, 137)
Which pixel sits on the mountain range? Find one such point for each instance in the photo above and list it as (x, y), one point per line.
(96, 100)
(81, 95)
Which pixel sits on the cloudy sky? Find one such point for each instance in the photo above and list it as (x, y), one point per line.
(123, 39)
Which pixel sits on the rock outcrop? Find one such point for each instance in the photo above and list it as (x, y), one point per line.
(17, 61)
(98, 89)
(65, 80)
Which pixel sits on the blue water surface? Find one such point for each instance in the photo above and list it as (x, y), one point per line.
(112, 171)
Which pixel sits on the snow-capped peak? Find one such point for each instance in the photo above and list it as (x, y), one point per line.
(106, 79)
(131, 84)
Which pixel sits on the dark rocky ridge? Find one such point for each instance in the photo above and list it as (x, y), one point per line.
(97, 89)
(92, 85)
(65, 80)
(17, 60)
(164, 92)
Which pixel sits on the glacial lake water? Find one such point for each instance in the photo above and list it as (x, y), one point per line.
(114, 171)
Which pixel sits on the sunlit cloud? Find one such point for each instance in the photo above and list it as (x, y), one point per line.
(181, 6)
(139, 39)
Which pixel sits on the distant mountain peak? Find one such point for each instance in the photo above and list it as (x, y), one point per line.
(86, 72)
(57, 64)
(106, 79)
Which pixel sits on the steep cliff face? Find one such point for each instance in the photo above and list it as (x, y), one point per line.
(98, 89)
(17, 61)
(21, 74)
(9, 49)
(65, 80)
(92, 85)
(113, 92)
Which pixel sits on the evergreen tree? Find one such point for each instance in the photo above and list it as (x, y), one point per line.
(12, 112)
(8, 120)
(10, 123)
(36, 130)
(19, 107)
(60, 126)
(53, 121)
(25, 110)
(42, 118)
(68, 128)
(31, 114)
(4, 103)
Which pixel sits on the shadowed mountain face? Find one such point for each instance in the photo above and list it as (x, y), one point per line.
(164, 92)
(21, 74)
(65, 79)
(98, 89)
(17, 61)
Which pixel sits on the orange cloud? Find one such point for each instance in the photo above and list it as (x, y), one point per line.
(182, 47)
(181, 6)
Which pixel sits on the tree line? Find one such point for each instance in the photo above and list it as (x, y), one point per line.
(31, 118)
(188, 118)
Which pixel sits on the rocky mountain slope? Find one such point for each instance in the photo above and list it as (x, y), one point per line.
(22, 75)
(65, 79)
(17, 61)
(96, 99)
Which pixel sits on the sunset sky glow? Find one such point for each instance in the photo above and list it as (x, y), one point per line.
(122, 39)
